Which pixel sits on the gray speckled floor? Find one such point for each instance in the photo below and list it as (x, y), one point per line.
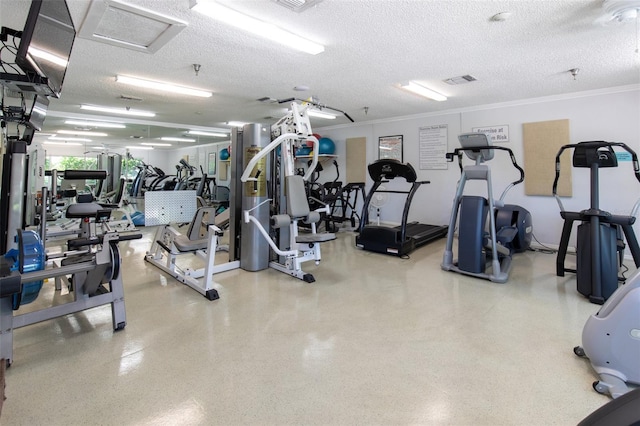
(375, 340)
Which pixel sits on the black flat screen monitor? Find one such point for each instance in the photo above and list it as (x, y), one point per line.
(46, 42)
(38, 112)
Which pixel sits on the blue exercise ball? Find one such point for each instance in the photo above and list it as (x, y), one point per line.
(224, 154)
(326, 146)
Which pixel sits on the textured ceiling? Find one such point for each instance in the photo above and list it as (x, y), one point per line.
(370, 47)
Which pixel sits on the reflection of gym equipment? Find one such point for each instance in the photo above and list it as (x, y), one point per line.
(399, 240)
(294, 248)
(341, 199)
(201, 239)
(510, 227)
(600, 233)
(611, 340)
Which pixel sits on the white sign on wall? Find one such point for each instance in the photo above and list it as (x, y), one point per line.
(497, 133)
(433, 147)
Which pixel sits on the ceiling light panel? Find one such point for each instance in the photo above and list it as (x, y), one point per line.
(104, 124)
(121, 111)
(211, 134)
(425, 92)
(171, 139)
(162, 86)
(132, 27)
(255, 26)
(81, 133)
(320, 114)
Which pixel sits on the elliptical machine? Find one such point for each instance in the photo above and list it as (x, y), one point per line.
(600, 233)
(510, 226)
(611, 340)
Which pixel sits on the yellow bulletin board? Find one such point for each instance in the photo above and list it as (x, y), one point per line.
(542, 141)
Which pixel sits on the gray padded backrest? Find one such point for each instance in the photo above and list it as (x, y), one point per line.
(297, 203)
(196, 231)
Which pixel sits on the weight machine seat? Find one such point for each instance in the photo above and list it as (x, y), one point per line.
(192, 241)
(315, 238)
(82, 210)
(298, 207)
(184, 244)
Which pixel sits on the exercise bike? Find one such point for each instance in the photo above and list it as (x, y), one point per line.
(510, 226)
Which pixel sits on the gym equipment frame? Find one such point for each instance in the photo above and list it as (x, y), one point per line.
(169, 244)
(599, 236)
(505, 236)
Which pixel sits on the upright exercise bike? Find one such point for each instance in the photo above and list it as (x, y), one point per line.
(510, 226)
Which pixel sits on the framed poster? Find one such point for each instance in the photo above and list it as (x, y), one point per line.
(211, 162)
(390, 147)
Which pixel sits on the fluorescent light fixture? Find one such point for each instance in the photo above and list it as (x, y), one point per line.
(138, 147)
(47, 56)
(170, 139)
(54, 138)
(48, 142)
(201, 133)
(155, 144)
(236, 123)
(320, 114)
(165, 87)
(104, 124)
(255, 26)
(81, 133)
(423, 91)
(123, 111)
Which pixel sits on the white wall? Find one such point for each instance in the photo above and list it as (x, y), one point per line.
(612, 115)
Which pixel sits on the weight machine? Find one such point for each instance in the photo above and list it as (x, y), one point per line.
(292, 206)
(169, 244)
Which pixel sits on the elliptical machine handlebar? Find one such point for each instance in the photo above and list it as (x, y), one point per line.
(594, 145)
(459, 151)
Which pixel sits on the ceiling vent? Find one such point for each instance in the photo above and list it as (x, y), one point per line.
(125, 25)
(297, 5)
(130, 98)
(460, 80)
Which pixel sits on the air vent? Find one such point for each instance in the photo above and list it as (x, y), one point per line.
(460, 80)
(121, 24)
(297, 5)
(130, 98)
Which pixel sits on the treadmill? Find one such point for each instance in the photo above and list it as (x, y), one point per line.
(403, 239)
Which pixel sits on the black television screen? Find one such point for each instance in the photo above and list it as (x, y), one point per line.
(38, 112)
(46, 42)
